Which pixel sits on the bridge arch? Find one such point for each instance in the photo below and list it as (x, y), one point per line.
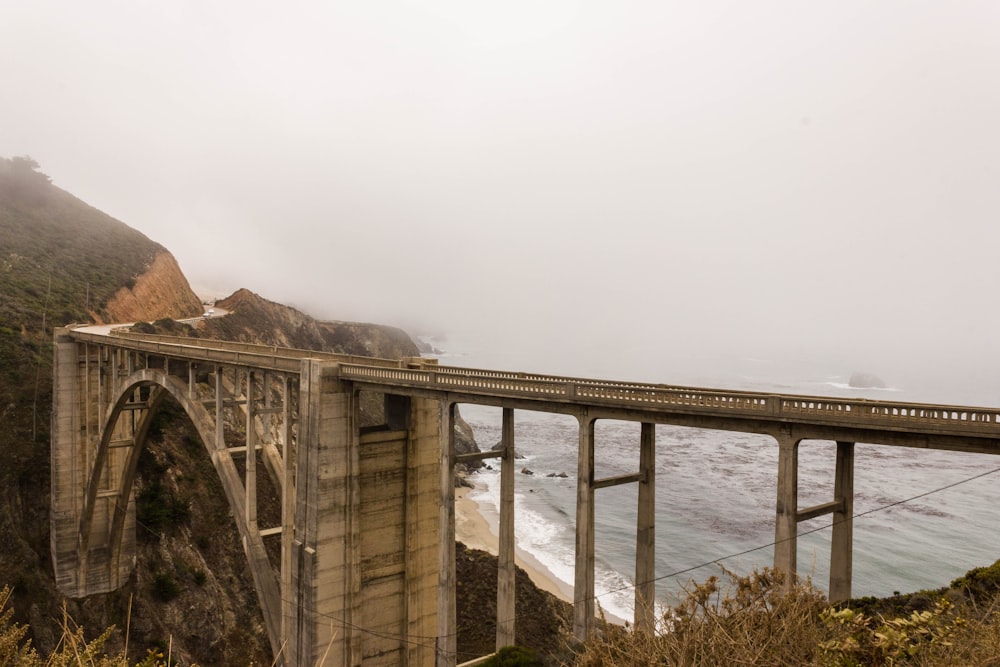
(143, 393)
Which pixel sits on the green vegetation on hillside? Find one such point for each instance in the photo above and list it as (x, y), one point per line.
(60, 260)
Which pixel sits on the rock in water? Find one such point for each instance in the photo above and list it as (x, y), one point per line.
(866, 381)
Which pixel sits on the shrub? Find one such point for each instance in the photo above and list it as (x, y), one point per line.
(165, 587)
(753, 619)
(514, 656)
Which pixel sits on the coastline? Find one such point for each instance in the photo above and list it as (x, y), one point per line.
(474, 531)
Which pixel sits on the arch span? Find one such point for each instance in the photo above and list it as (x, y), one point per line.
(105, 534)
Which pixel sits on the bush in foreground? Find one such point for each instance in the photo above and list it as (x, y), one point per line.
(73, 649)
(758, 620)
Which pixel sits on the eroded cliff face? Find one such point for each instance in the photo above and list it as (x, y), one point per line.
(161, 291)
(254, 319)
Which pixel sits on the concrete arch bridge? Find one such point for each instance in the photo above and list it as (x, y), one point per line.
(366, 537)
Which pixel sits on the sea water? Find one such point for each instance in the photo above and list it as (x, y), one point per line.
(716, 492)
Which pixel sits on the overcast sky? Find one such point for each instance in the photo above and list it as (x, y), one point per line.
(812, 180)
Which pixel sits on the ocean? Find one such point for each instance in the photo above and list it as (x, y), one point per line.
(716, 490)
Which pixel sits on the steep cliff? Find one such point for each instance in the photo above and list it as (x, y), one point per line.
(159, 291)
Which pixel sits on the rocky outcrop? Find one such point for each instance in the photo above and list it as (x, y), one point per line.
(866, 381)
(161, 291)
(254, 319)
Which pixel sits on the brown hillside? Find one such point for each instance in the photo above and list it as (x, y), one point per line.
(254, 319)
(161, 291)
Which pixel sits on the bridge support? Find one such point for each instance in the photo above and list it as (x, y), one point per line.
(583, 589)
(86, 477)
(506, 594)
(788, 515)
(584, 599)
(842, 546)
(645, 533)
(364, 558)
(446, 650)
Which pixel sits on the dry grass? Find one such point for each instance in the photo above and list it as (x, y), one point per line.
(757, 620)
(73, 650)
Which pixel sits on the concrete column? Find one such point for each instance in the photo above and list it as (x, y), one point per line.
(251, 458)
(423, 461)
(645, 533)
(842, 544)
(220, 432)
(102, 386)
(583, 591)
(447, 640)
(786, 514)
(67, 479)
(506, 595)
(287, 517)
(318, 614)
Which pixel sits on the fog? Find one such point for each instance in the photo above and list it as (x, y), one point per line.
(673, 191)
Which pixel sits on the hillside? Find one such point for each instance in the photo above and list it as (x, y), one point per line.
(255, 319)
(61, 261)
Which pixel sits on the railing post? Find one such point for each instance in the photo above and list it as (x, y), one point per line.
(583, 591)
(786, 514)
(842, 544)
(447, 640)
(645, 532)
(506, 596)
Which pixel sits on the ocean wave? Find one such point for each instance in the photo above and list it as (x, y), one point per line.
(552, 542)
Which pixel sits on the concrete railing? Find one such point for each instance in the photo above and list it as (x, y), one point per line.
(861, 413)
(425, 375)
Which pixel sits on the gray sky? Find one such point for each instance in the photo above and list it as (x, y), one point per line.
(690, 181)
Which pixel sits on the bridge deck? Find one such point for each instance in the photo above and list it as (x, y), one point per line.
(617, 398)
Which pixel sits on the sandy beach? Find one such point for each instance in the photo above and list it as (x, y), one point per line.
(473, 530)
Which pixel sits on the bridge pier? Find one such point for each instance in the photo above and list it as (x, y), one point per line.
(645, 533)
(584, 599)
(506, 592)
(446, 648)
(786, 511)
(88, 466)
(842, 545)
(364, 558)
(788, 515)
(583, 589)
